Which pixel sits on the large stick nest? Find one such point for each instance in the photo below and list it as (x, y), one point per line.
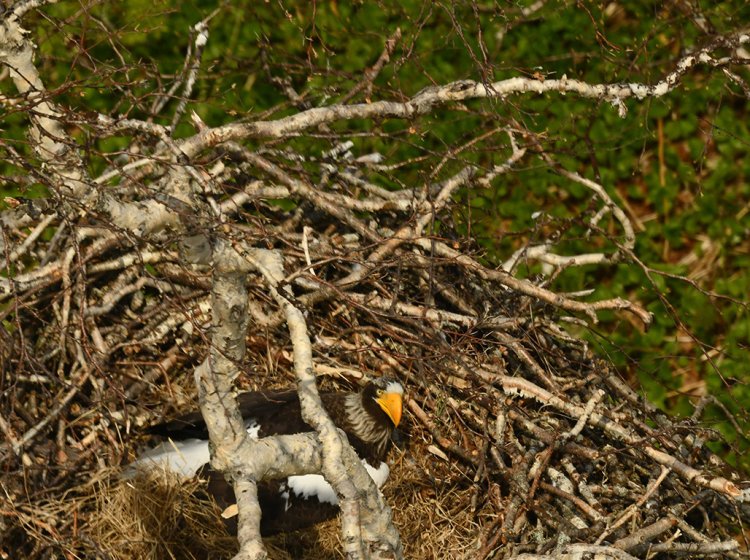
(517, 438)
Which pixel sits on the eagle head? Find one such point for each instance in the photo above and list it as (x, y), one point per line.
(388, 394)
(375, 411)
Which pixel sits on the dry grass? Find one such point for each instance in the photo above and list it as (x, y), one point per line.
(431, 508)
(154, 516)
(157, 516)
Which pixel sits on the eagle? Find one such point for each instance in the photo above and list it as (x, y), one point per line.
(368, 418)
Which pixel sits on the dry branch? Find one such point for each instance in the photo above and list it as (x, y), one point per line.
(178, 259)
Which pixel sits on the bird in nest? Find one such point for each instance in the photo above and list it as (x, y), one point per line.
(368, 417)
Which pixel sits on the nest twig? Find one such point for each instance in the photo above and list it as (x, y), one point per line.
(520, 442)
(520, 439)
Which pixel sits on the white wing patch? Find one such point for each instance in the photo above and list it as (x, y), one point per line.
(311, 485)
(379, 475)
(181, 457)
(252, 427)
(314, 485)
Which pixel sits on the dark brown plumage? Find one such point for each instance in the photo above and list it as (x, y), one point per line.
(368, 418)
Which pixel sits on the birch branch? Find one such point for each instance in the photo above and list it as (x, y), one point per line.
(233, 453)
(367, 530)
(50, 141)
(426, 100)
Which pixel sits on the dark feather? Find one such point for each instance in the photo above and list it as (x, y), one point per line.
(279, 412)
(267, 407)
(278, 515)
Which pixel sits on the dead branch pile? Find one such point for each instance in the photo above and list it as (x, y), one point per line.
(524, 440)
(518, 441)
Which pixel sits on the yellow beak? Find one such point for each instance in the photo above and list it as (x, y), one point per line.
(391, 403)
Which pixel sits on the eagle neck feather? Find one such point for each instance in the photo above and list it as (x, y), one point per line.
(364, 426)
